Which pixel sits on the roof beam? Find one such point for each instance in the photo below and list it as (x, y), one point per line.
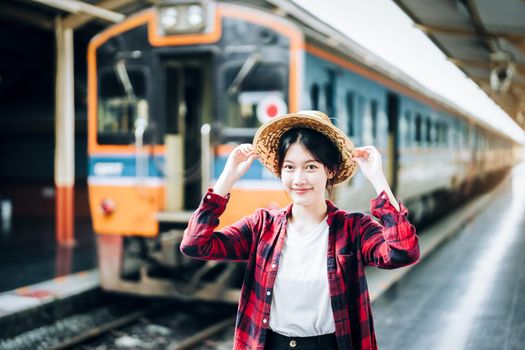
(77, 20)
(11, 12)
(430, 29)
(76, 6)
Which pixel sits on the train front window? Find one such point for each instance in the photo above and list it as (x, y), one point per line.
(243, 97)
(118, 106)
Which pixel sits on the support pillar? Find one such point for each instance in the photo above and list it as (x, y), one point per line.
(64, 135)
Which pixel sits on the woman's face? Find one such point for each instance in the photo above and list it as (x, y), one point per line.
(303, 178)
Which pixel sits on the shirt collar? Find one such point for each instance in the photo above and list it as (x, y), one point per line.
(331, 210)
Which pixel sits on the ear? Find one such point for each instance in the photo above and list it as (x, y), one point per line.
(331, 174)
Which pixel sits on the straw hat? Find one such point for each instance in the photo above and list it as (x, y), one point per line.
(267, 138)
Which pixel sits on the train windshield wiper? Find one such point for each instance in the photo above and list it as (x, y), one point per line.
(123, 77)
(247, 67)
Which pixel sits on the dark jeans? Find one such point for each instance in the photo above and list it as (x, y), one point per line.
(276, 341)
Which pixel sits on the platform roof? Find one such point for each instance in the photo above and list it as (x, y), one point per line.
(483, 38)
(479, 36)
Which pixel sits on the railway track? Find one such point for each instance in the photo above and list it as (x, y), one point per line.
(136, 325)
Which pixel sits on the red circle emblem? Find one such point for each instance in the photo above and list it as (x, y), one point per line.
(271, 110)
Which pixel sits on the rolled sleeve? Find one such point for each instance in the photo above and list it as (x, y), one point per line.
(200, 239)
(392, 242)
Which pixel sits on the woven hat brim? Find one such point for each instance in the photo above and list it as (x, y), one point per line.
(267, 138)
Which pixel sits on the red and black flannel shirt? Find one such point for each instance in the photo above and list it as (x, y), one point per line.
(355, 240)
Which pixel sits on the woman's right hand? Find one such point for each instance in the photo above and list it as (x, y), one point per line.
(238, 163)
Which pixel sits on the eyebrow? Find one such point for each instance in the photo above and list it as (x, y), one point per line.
(308, 161)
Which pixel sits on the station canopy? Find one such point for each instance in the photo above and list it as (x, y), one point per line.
(483, 38)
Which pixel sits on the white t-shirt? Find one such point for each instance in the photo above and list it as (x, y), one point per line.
(301, 300)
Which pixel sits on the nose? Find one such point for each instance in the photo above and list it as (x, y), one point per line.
(299, 177)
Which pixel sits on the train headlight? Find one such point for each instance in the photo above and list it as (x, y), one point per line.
(195, 15)
(182, 17)
(168, 18)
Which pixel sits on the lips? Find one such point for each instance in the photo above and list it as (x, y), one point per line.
(301, 190)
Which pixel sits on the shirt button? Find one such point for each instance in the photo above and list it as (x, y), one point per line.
(265, 321)
(208, 196)
(274, 266)
(268, 293)
(292, 343)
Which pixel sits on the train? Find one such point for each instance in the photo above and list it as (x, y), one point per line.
(175, 87)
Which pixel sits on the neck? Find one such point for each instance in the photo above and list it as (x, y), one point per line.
(313, 213)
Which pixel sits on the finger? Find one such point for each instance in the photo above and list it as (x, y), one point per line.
(251, 159)
(251, 154)
(359, 161)
(361, 154)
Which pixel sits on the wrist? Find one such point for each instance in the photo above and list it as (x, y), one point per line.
(379, 183)
(224, 184)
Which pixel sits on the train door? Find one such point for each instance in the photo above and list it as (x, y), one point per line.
(187, 108)
(392, 108)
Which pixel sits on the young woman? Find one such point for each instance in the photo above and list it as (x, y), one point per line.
(304, 286)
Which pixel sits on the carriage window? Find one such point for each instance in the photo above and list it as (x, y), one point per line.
(314, 96)
(444, 138)
(350, 107)
(428, 135)
(329, 97)
(373, 112)
(418, 128)
(117, 110)
(406, 129)
(242, 104)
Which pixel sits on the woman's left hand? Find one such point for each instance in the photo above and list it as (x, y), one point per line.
(369, 160)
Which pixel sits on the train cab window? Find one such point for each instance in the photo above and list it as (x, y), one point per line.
(418, 129)
(350, 112)
(314, 96)
(244, 93)
(118, 106)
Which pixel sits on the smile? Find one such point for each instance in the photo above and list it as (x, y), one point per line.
(301, 190)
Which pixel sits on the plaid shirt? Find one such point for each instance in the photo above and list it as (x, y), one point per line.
(355, 240)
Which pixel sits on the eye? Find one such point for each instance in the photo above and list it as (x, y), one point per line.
(287, 167)
(311, 167)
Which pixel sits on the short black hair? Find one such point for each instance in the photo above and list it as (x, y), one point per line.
(317, 145)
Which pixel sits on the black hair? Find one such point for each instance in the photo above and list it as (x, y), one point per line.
(317, 145)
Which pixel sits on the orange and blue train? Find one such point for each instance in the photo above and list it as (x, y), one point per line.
(173, 88)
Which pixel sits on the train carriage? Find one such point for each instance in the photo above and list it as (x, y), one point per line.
(173, 88)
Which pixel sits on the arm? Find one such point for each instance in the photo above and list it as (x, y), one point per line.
(393, 242)
(201, 241)
(232, 242)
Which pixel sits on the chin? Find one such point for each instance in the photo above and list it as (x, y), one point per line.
(303, 200)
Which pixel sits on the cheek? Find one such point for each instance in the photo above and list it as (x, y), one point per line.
(285, 180)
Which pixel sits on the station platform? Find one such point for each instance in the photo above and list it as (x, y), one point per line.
(29, 252)
(470, 294)
(41, 280)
